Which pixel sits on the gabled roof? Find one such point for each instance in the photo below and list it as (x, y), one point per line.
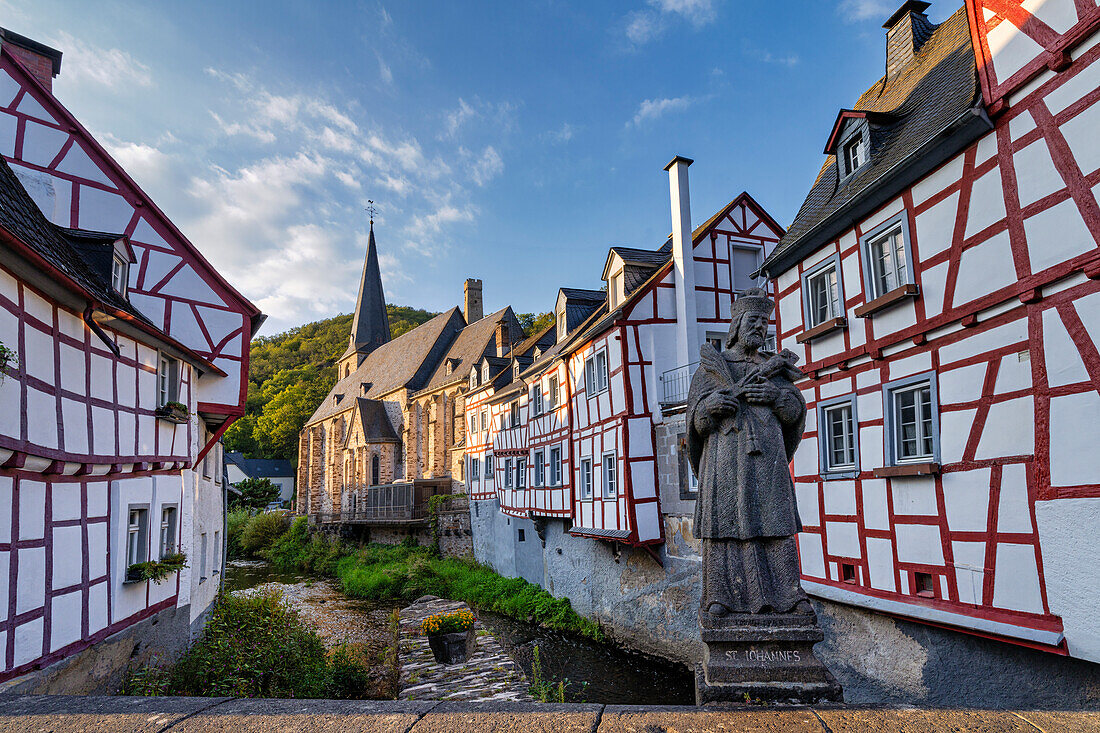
(375, 422)
(934, 109)
(852, 114)
(408, 361)
(260, 467)
(471, 343)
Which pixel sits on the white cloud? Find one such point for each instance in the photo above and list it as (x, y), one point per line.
(384, 70)
(857, 10)
(106, 67)
(697, 12)
(457, 117)
(487, 167)
(643, 26)
(654, 108)
(562, 135)
(789, 60)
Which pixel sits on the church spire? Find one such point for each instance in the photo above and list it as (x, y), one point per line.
(370, 328)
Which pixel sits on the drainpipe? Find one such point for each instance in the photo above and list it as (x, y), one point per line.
(687, 330)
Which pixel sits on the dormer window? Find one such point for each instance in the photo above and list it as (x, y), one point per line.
(120, 274)
(561, 324)
(515, 371)
(853, 154)
(615, 290)
(485, 372)
(473, 379)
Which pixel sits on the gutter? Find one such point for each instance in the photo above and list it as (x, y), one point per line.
(957, 135)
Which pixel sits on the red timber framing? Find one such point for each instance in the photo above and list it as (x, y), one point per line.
(479, 443)
(542, 433)
(171, 283)
(1004, 243)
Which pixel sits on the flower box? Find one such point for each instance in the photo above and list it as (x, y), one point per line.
(173, 412)
(453, 648)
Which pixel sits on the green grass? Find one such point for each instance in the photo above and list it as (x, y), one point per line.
(406, 572)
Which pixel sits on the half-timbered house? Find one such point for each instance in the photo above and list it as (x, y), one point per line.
(130, 360)
(940, 283)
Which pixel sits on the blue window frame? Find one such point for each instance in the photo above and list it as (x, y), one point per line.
(887, 256)
(838, 437)
(822, 292)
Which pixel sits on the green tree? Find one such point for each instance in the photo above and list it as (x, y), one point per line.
(283, 417)
(256, 493)
(532, 323)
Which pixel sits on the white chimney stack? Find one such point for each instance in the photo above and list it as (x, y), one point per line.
(686, 324)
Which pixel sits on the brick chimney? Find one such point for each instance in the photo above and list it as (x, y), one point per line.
(504, 337)
(43, 62)
(906, 31)
(472, 308)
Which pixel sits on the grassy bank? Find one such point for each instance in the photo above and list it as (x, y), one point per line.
(406, 572)
(259, 647)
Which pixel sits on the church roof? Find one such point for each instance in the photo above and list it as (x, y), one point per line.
(469, 346)
(407, 361)
(370, 326)
(377, 427)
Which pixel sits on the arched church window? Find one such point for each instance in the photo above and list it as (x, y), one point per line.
(375, 470)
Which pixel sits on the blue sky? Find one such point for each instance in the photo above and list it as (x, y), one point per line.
(509, 141)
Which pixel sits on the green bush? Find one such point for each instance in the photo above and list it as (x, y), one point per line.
(256, 493)
(234, 526)
(261, 531)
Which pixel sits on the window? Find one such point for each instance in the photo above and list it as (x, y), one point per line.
(473, 379)
(218, 465)
(217, 553)
(489, 469)
(473, 425)
(375, 470)
(536, 399)
(475, 469)
(746, 261)
(168, 378)
(522, 535)
(595, 373)
(485, 372)
(515, 371)
(854, 154)
(503, 424)
(540, 469)
(507, 473)
(886, 257)
(822, 294)
(514, 412)
(837, 432)
(770, 343)
(555, 466)
(586, 478)
(615, 290)
(119, 274)
(137, 535)
(484, 420)
(716, 340)
(202, 557)
(847, 572)
(923, 585)
(610, 475)
(521, 473)
(561, 324)
(912, 430)
(167, 530)
(553, 392)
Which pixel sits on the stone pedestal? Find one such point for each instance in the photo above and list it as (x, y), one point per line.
(767, 658)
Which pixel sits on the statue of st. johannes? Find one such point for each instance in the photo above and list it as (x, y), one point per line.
(745, 420)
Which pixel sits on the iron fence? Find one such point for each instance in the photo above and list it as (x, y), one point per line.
(675, 384)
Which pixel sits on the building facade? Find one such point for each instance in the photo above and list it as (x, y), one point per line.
(130, 356)
(940, 285)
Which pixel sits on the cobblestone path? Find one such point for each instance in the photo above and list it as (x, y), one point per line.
(490, 674)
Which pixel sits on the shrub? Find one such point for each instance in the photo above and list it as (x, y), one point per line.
(234, 526)
(261, 531)
(256, 493)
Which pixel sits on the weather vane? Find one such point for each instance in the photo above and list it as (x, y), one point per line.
(370, 209)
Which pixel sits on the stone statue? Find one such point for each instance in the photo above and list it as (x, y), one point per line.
(744, 422)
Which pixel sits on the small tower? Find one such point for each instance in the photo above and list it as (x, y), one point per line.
(370, 327)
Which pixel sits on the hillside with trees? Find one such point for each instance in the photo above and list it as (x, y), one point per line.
(288, 376)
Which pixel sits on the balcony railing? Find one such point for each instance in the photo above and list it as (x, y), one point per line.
(405, 502)
(675, 384)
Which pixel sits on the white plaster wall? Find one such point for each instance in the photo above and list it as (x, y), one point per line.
(1071, 555)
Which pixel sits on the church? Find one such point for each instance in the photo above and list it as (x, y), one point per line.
(391, 431)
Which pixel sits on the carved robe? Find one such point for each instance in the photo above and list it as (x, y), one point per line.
(746, 513)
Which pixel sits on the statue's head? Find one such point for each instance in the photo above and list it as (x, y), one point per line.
(749, 319)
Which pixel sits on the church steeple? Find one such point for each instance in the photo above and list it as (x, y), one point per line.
(370, 327)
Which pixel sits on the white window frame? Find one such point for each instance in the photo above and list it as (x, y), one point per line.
(609, 475)
(858, 132)
(586, 479)
(521, 473)
(513, 413)
(826, 410)
(561, 324)
(555, 466)
(536, 400)
(539, 478)
(596, 375)
(835, 305)
(169, 518)
(927, 429)
(895, 226)
(137, 534)
(168, 379)
(120, 273)
(475, 468)
(553, 393)
(485, 372)
(487, 477)
(484, 421)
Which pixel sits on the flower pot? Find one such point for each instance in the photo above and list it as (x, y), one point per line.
(172, 413)
(453, 648)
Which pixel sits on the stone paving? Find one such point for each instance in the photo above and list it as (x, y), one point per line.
(490, 674)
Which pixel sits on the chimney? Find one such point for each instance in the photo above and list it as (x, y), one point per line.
(906, 32)
(504, 337)
(43, 62)
(472, 309)
(687, 335)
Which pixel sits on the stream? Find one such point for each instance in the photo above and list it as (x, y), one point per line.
(598, 673)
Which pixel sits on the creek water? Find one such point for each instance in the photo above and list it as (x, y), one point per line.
(599, 673)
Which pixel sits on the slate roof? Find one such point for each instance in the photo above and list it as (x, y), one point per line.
(22, 218)
(471, 343)
(645, 257)
(377, 427)
(935, 98)
(260, 467)
(407, 361)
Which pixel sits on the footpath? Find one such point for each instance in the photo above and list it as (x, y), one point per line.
(60, 714)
